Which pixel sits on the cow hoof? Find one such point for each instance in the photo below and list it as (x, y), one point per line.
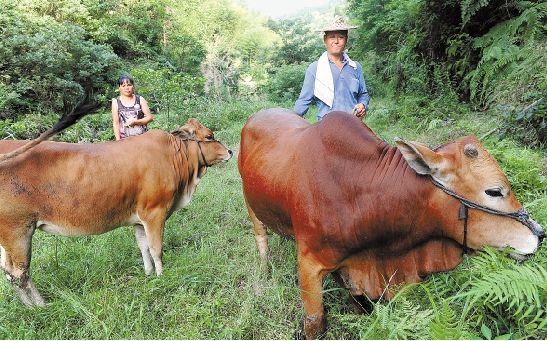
(314, 327)
(38, 301)
(265, 272)
(40, 304)
(265, 269)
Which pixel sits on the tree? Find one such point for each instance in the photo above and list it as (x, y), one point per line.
(299, 42)
(45, 64)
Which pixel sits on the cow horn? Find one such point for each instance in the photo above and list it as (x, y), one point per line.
(182, 133)
(470, 150)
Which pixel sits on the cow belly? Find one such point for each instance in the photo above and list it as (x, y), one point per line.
(272, 216)
(60, 230)
(82, 230)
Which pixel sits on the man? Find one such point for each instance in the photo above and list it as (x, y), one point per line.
(334, 82)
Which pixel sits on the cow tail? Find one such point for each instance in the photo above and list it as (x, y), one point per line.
(84, 107)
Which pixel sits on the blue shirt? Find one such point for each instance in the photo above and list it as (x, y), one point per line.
(349, 89)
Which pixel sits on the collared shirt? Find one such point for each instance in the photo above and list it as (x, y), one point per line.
(349, 89)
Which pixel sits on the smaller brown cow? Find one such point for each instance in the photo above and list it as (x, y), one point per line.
(372, 214)
(85, 189)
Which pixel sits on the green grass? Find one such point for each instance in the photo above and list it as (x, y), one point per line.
(212, 288)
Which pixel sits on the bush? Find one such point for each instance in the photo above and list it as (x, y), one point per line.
(165, 89)
(27, 127)
(526, 173)
(45, 65)
(286, 82)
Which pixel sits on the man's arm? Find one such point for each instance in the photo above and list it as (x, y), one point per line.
(363, 97)
(302, 104)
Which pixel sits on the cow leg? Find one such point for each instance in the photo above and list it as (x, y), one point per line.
(311, 275)
(261, 238)
(140, 235)
(154, 223)
(3, 257)
(15, 262)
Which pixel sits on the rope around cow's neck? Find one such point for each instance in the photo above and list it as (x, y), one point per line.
(200, 150)
(520, 215)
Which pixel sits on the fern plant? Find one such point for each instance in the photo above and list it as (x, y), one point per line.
(506, 294)
(447, 325)
(470, 7)
(399, 318)
(503, 46)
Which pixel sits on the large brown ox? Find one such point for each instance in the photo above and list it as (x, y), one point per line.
(85, 189)
(370, 212)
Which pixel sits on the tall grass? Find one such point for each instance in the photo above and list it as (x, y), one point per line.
(212, 288)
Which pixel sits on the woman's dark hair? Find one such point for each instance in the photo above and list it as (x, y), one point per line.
(124, 78)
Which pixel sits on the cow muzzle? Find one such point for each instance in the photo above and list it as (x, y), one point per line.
(521, 215)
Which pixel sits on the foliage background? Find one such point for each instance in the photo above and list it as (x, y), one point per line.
(436, 70)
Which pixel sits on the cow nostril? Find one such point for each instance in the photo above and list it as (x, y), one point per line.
(230, 152)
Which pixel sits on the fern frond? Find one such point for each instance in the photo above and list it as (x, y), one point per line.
(446, 325)
(470, 7)
(519, 288)
(503, 46)
(400, 318)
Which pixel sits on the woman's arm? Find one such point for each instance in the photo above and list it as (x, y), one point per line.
(115, 119)
(147, 114)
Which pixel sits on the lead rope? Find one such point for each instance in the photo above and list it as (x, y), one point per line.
(463, 216)
(201, 152)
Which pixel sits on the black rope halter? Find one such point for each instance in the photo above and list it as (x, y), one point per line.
(199, 147)
(520, 215)
(201, 152)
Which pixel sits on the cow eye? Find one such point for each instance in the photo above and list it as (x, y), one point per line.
(210, 137)
(496, 192)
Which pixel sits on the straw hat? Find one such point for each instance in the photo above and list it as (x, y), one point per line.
(337, 24)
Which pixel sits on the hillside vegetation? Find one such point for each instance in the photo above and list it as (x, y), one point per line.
(436, 70)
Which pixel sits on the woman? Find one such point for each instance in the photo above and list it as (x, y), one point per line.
(130, 112)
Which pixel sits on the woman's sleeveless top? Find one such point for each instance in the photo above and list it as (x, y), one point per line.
(125, 113)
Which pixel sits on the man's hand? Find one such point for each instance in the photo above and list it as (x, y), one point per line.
(359, 110)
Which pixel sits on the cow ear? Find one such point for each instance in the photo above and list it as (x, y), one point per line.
(185, 132)
(194, 121)
(419, 157)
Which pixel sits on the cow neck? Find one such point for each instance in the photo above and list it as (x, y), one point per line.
(393, 158)
(412, 191)
(201, 169)
(396, 184)
(182, 150)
